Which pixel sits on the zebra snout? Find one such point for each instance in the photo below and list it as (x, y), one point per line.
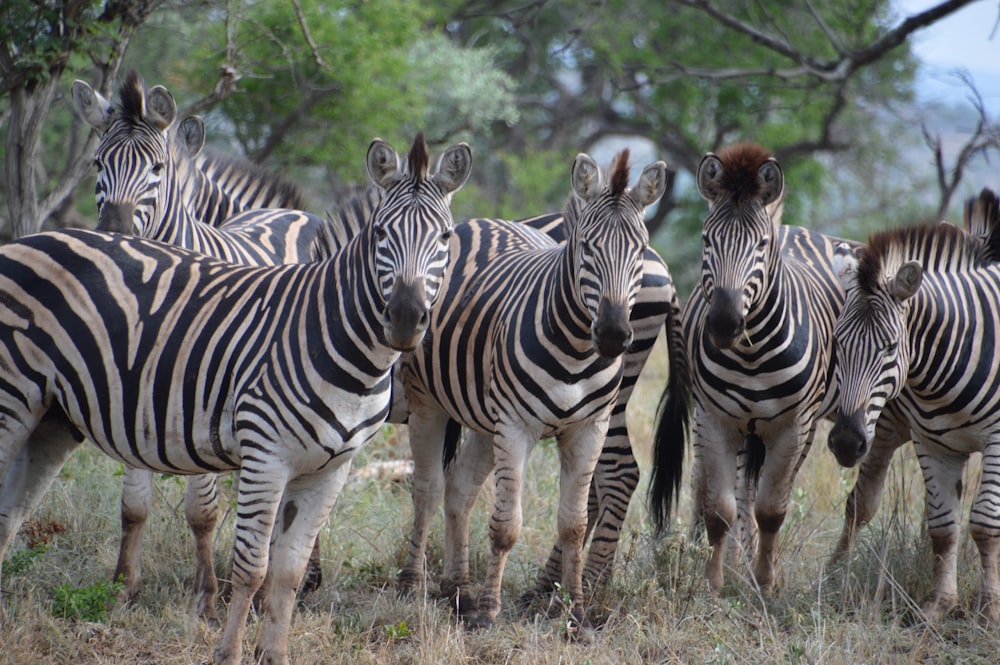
(117, 218)
(724, 322)
(406, 317)
(848, 440)
(612, 331)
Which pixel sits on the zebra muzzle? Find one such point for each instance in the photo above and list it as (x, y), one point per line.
(406, 316)
(117, 218)
(612, 331)
(724, 322)
(848, 440)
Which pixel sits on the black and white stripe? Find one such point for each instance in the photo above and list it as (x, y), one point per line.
(526, 343)
(177, 362)
(920, 324)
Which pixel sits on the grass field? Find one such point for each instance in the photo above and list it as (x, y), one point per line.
(656, 609)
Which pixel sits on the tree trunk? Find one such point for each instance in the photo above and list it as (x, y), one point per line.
(28, 112)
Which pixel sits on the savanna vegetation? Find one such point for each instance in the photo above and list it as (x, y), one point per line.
(302, 87)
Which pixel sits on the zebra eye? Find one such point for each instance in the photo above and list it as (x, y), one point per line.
(380, 233)
(763, 242)
(157, 168)
(446, 235)
(98, 165)
(706, 242)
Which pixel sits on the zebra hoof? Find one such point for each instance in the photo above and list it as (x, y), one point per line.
(579, 631)
(477, 622)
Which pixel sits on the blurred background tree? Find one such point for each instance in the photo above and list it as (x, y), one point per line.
(303, 86)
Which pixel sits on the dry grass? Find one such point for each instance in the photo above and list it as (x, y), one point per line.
(655, 611)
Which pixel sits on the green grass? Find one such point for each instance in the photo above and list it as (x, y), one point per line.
(656, 609)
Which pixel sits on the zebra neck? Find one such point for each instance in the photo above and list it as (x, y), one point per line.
(177, 224)
(565, 316)
(776, 308)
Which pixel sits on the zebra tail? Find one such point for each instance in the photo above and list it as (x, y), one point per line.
(670, 437)
(756, 453)
(452, 437)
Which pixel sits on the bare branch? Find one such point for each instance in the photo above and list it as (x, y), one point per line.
(226, 85)
(308, 36)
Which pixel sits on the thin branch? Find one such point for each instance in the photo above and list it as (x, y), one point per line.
(308, 36)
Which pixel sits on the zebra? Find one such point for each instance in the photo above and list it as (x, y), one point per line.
(759, 351)
(919, 324)
(178, 362)
(981, 219)
(526, 343)
(147, 172)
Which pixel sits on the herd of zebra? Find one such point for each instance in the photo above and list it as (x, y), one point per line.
(210, 325)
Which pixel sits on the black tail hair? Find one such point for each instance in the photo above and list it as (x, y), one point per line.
(670, 437)
(756, 453)
(452, 438)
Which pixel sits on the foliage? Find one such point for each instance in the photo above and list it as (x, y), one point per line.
(21, 561)
(90, 603)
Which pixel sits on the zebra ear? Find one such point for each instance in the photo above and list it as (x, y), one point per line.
(192, 134)
(772, 182)
(845, 266)
(383, 164)
(907, 280)
(651, 186)
(586, 178)
(709, 176)
(94, 108)
(160, 107)
(454, 167)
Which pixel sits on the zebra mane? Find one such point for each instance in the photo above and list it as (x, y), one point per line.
(981, 218)
(418, 159)
(132, 98)
(276, 189)
(619, 173)
(740, 165)
(938, 248)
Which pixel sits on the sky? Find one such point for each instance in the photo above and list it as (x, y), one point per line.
(968, 38)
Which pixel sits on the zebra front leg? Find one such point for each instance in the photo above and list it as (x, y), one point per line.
(866, 495)
(465, 477)
(306, 503)
(773, 491)
(427, 428)
(984, 524)
(716, 453)
(136, 502)
(510, 457)
(943, 484)
(259, 493)
(201, 508)
(579, 449)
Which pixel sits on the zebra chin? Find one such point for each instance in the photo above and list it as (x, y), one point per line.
(849, 440)
(406, 317)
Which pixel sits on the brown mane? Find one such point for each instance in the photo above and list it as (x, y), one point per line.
(740, 164)
(938, 247)
(418, 159)
(619, 173)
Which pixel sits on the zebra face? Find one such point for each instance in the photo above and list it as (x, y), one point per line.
(609, 241)
(134, 155)
(744, 191)
(610, 274)
(736, 253)
(129, 177)
(411, 231)
(871, 364)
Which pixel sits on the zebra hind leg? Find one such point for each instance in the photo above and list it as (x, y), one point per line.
(136, 503)
(201, 508)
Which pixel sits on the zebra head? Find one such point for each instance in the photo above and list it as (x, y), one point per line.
(743, 186)
(410, 232)
(608, 241)
(135, 155)
(870, 342)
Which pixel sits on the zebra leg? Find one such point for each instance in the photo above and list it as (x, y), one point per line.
(984, 524)
(773, 490)
(30, 460)
(510, 457)
(866, 495)
(427, 431)
(465, 477)
(579, 449)
(943, 485)
(306, 503)
(717, 453)
(137, 501)
(201, 508)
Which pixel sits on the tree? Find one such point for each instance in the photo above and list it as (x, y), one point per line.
(40, 39)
